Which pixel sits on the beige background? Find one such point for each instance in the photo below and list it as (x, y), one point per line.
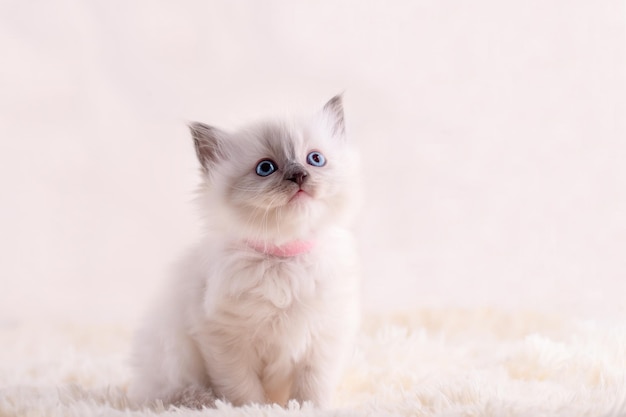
(493, 137)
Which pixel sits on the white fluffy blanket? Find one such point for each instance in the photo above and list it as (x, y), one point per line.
(427, 363)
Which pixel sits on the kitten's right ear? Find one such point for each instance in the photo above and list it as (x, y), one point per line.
(334, 112)
(208, 142)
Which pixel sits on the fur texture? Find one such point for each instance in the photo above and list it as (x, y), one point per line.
(250, 325)
(428, 363)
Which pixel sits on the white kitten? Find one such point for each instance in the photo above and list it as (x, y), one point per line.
(265, 309)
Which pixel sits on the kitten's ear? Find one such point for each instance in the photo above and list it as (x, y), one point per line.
(333, 110)
(209, 142)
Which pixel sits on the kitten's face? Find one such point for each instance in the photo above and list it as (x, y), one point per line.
(279, 180)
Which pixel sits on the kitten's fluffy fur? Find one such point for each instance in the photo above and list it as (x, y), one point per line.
(247, 325)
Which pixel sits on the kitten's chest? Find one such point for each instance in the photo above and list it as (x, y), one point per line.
(271, 282)
(268, 301)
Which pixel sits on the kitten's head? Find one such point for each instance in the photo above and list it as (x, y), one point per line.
(277, 180)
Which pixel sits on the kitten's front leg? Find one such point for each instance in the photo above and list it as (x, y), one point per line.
(238, 386)
(233, 372)
(315, 379)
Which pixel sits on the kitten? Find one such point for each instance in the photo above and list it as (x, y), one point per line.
(264, 310)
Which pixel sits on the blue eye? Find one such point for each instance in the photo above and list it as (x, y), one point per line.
(316, 159)
(265, 168)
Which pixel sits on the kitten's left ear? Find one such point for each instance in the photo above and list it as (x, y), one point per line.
(209, 143)
(333, 110)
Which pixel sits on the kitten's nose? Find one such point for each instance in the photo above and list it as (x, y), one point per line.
(297, 175)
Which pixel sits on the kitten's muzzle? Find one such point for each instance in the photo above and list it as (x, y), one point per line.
(296, 174)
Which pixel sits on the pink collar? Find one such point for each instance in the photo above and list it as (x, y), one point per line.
(288, 250)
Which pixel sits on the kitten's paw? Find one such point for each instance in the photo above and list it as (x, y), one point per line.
(194, 397)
